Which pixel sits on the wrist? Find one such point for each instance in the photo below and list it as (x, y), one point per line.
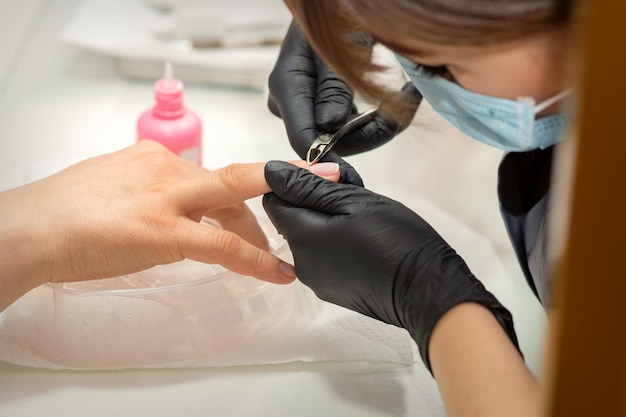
(441, 281)
(22, 262)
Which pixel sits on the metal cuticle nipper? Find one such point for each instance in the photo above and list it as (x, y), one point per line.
(325, 141)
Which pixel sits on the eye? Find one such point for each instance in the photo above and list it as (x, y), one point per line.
(433, 71)
(436, 71)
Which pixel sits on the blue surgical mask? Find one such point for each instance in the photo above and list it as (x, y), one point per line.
(505, 124)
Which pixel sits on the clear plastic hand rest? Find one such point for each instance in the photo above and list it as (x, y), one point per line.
(157, 317)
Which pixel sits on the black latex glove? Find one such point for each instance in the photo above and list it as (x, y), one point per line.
(310, 98)
(371, 254)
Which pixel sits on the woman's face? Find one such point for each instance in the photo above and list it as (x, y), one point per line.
(531, 67)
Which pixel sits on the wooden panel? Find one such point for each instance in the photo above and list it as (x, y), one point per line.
(587, 355)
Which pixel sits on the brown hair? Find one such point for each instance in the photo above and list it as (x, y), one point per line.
(342, 31)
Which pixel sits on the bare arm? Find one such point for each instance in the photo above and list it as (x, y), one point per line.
(478, 371)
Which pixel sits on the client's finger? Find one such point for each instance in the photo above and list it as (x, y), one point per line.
(217, 246)
(236, 183)
(240, 220)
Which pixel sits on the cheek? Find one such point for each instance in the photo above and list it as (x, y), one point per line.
(498, 84)
(526, 79)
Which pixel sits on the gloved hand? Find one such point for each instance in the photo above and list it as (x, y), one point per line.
(371, 254)
(310, 97)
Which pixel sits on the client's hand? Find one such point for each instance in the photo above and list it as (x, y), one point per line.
(131, 210)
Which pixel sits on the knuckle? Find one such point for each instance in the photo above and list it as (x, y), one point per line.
(154, 153)
(258, 261)
(231, 177)
(228, 244)
(150, 146)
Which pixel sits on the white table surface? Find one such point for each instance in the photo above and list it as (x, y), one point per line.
(59, 104)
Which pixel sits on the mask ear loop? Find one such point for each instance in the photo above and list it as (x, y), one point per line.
(554, 99)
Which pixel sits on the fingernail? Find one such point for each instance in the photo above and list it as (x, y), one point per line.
(287, 269)
(324, 169)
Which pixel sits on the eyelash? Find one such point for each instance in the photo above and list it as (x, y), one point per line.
(440, 70)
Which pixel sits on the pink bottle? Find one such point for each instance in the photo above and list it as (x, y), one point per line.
(169, 122)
